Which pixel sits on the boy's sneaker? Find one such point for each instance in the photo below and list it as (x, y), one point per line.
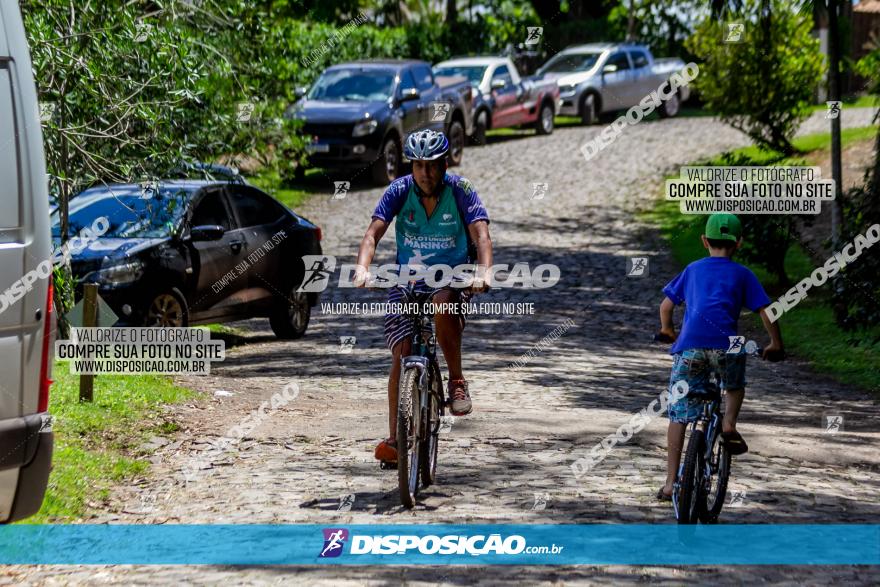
(387, 451)
(459, 397)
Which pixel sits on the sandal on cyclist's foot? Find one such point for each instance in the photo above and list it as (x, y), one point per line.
(387, 451)
(662, 496)
(734, 443)
(459, 398)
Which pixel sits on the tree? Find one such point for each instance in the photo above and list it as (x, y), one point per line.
(857, 293)
(762, 86)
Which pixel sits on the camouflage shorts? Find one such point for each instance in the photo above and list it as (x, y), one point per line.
(700, 368)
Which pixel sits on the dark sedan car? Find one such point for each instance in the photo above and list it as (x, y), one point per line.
(194, 252)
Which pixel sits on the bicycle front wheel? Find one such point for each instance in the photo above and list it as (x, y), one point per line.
(719, 472)
(687, 505)
(408, 421)
(433, 413)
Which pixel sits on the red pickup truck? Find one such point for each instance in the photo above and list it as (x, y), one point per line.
(502, 98)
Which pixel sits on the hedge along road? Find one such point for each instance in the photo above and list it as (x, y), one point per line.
(508, 462)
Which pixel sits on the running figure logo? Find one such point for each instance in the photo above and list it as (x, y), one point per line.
(736, 344)
(340, 189)
(737, 498)
(637, 267)
(318, 271)
(334, 540)
(735, 31)
(833, 423)
(833, 109)
(534, 36)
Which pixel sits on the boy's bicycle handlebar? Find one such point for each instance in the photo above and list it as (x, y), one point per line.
(773, 357)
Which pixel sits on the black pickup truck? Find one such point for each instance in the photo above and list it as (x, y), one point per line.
(358, 114)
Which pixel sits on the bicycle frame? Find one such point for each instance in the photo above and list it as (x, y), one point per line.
(708, 422)
(422, 346)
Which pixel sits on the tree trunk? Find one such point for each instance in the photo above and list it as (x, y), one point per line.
(451, 11)
(631, 21)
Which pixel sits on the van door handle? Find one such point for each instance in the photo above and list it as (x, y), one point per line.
(236, 246)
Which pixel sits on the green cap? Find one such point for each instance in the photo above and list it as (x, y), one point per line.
(723, 227)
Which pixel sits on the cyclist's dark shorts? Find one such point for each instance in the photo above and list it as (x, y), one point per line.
(695, 366)
(398, 328)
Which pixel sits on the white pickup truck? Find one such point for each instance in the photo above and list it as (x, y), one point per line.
(604, 77)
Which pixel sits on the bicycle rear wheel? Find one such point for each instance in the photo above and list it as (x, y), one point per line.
(719, 472)
(687, 504)
(408, 416)
(433, 413)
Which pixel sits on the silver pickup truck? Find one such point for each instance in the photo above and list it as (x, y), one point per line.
(604, 77)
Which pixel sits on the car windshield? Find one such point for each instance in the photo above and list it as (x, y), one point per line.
(571, 62)
(356, 85)
(132, 211)
(474, 73)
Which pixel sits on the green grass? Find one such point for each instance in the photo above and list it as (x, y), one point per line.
(809, 330)
(270, 182)
(851, 357)
(97, 444)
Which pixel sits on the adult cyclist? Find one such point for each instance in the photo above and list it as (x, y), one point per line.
(440, 220)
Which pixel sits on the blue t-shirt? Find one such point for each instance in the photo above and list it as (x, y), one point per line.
(441, 238)
(714, 290)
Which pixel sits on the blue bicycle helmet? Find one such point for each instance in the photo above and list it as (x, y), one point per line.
(426, 145)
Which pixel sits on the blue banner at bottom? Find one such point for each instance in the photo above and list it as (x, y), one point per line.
(477, 544)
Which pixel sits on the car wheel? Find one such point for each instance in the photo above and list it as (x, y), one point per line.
(544, 124)
(670, 107)
(588, 109)
(456, 143)
(291, 319)
(387, 166)
(167, 309)
(481, 125)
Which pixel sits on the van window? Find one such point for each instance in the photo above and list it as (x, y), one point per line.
(10, 187)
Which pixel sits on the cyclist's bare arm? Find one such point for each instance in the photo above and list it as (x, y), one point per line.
(667, 328)
(367, 250)
(479, 232)
(775, 347)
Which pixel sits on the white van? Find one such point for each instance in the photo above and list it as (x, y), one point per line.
(27, 326)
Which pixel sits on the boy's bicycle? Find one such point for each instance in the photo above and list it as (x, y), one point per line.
(701, 483)
(420, 401)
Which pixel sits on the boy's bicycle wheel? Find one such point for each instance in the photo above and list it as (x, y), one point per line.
(718, 472)
(432, 414)
(687, 505)
(408, 424)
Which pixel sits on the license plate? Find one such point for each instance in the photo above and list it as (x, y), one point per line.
(318, 148)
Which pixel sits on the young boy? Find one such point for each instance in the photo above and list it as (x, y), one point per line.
(714, 291)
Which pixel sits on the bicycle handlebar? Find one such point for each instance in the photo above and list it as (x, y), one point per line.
(773, 357)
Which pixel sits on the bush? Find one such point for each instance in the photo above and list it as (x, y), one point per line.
(763, 86)
(857, 292)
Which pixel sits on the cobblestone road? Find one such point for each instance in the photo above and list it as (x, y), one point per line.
(508, 461)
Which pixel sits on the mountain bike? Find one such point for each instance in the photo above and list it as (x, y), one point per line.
(420, 401)
(700, 486)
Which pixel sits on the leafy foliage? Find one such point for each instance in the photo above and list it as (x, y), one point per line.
(764, 85)
(857, 293)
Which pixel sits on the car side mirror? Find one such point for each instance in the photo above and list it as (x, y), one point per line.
(300, 92)
(409, 94)
(207, 232)
(498, 84)
(610, 68)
